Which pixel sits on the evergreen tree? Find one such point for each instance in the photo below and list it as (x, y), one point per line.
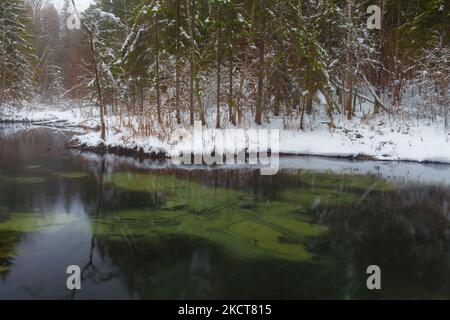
(17, 59)
(49, 77)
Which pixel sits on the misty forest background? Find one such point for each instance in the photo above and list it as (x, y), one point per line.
(230, 62)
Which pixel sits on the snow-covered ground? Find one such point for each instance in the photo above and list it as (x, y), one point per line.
(416, 143)
(59, 115)
(379, 138)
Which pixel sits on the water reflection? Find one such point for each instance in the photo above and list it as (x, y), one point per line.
(165, 232)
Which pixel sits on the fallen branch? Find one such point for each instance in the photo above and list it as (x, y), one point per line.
(376, 97)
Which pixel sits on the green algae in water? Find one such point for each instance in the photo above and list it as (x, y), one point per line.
(315, 197)
(332, 180)
(26, 222)
(254, 231)
(19, 224)
(238, 232)
(179, 193)
(242, 224)
(328, 189)
(289, 251)
(26, 180)
(34, 167)
(4, 216)
(73, 175)
(296, 226)
(9, 240)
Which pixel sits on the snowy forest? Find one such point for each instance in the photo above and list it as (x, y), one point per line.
(150, 66)
(224, 149)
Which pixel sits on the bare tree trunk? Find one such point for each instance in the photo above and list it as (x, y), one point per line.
(192, 60)
(349, 71)
(309, 103)
(397, 83)
(3, 88)
(261, 47)
(278, 88)
(97, 74)
(446, 117)
(230, 92)
(309, 95)
(219, 67)
(158, 93)
(99, 88)
(349, 106)
(133, 95)
(177, 71)
(380, 82)
(218, 94)
(2, 95)
(302, 116)
(231, 105)
(242, 75)
(240, 92)
(141, 96)
(201, 109)
(445, 99)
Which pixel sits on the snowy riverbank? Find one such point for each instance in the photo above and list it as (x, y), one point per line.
(378, 139)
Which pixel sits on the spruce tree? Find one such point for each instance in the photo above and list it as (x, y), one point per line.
(17, 57)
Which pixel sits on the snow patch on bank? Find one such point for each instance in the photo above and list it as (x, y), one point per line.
(58, 115)
(380, 138)
(148, 145)
(420, 143)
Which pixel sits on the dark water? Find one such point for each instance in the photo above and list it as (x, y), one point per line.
(166, 232)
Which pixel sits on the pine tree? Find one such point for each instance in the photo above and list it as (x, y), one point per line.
(141, 52)
(50, 82)
(17, 59)
(433, 77)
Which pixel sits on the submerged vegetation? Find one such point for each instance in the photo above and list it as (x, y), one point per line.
(73, 175)
(39, 179)
(35, 222)
(8, 242)
(23, 180)
(242, 223)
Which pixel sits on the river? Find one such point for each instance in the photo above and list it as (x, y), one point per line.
(142, 229)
